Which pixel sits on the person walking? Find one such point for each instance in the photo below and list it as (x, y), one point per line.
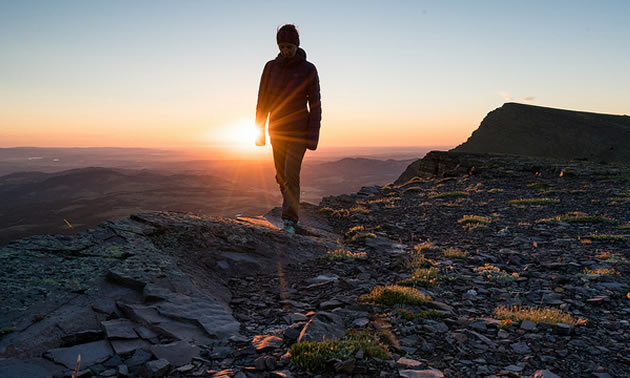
(289, 99)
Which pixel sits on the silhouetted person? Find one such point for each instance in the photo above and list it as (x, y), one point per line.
(287, 85)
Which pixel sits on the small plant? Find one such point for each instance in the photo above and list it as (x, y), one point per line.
(354, 230)
(607, 237)
(431, 314)
(533, 201)
(594, 274)
(395, 294)
(314, 356)
(612, 258)
(505, 324)
(578, 217)
(412, 189)
(417, 261)
(341, 255)
(454, 253)
(495, 190)
(619, 200)
(493, 273)
(408, 315)
(538, 185)
(426, 247)
(538, 315)
(359, 210)
(426, 277)
(360, 236)
(6, 331)
(474, 222)
(335, 212)
(448, 195)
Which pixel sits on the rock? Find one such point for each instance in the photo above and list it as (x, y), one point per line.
(122, 347)
(294, 318)
(323, 326)
(91, 353)
(427, 373)
(360, 322)
(330, 304)
(409, 363)
(139, 357)
(119, 329)
(157, 368)
(177, 354)
(33, 368)
(346, 366)
(527, 325)
(563, 329)
(520, 347)
(292, 332)
(264, 343)
(123, 371)
(544, 374)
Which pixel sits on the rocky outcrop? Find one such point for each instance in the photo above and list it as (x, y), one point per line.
(555, 133)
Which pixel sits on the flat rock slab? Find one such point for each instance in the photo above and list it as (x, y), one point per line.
(91, 353)
(178, 353)
(124, 346)
(34, 368)
(323, 326)
(427, 373)
(120, 329)
(264, 343)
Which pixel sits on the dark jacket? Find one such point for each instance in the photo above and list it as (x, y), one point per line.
(286, 86)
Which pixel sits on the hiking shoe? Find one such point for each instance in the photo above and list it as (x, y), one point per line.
(289, 226)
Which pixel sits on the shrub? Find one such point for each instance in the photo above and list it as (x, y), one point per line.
(395, 294)
(536, 314)
(314, 356)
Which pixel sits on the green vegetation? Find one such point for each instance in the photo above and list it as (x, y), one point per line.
(474, 222)
(313, 356)
(578, 217)
(425, 314)
(426, 247)
(454, 253)
(612, 258)
(426, 277)
(417, 261)
(412, 189)
(395, 294)
(594, 274)
(335, 212)
(448, 195)
(493, 273)
(533, 201)
(538, 185)
(505, 323)
(619, 200)
(536, 314)
(341, 255)
(607, 237)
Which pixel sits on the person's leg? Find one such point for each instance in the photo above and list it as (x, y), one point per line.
(294, 155)
(279, 148)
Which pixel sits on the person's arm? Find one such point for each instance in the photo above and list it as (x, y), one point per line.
(315, 106)
(262, 108)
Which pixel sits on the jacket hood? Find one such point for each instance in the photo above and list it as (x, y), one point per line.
(300, 55)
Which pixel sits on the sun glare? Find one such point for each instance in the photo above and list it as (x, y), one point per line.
(240, 135)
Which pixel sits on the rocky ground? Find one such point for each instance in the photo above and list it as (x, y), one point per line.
(168, 294)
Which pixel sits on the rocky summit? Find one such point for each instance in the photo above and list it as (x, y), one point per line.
(469, 265)
(530, 130)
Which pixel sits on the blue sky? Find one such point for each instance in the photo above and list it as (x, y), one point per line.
(184, 73)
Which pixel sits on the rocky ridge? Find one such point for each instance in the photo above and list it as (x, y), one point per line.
(172, 294)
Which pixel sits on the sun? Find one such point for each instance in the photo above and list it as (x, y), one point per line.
(240, 134)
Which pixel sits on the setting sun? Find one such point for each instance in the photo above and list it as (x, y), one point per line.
(239, 134)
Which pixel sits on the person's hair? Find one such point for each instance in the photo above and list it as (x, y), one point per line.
(288, 33)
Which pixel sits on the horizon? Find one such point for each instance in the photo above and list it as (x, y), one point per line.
(399, 74)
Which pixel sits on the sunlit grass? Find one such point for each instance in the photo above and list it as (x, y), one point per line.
(395, 294)
(448, 195)
(425, 277)
(454, 253)
(342, 255)
(607, 237)
(493, 273)
(538, 315)
(594, 274)
(314, 356)
(577, 217)
(533, 201)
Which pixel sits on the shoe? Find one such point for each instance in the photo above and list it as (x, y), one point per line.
(289, 226)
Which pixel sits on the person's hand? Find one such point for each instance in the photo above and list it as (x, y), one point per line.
(260, 138)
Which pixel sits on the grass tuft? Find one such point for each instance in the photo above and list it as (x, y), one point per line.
(314, 356)
(533, 201)
(425, 277)
(395, 294)
(578, 217)
(448, 195)
(454, 253)
(493, 273)
(607, 237)
(343, 255)
(538, 315)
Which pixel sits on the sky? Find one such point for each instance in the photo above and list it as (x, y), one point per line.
(185, 74)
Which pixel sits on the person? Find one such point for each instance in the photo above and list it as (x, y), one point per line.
(289, 100)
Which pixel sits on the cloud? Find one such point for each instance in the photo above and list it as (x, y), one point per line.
(529, 99)
(506, 96)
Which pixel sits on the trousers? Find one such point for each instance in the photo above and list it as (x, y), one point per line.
(287, 158)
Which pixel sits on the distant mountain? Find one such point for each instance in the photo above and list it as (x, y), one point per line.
(556, 133)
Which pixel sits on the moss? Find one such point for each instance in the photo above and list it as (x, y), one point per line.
(313, 356)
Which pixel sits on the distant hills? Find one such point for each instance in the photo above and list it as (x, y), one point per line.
(555, 133)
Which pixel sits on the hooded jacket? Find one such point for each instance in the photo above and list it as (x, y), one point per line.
(286, 87)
